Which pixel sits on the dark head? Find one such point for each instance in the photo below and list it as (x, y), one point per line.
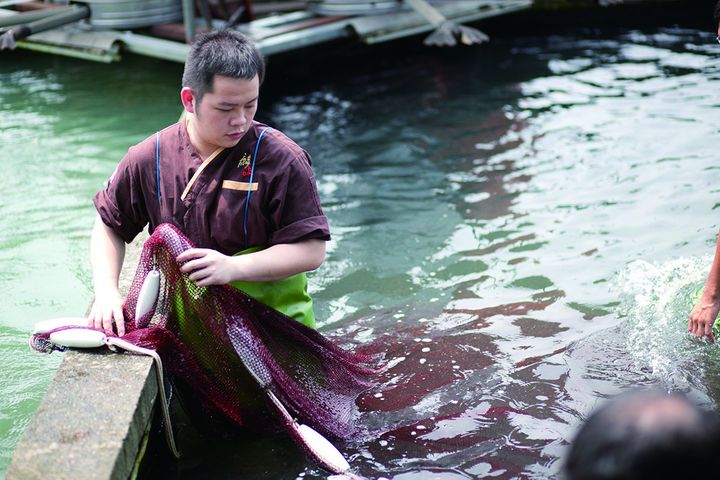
(222, 52)
(645, 435)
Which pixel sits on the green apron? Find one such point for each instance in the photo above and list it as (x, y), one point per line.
(288, 296)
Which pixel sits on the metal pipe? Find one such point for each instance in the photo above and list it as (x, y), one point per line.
(10, 3)
(188, 8)
(19, 32)
(30, 16)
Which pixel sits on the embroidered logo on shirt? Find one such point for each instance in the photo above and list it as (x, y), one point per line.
(245, 162)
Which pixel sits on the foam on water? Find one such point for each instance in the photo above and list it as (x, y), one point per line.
(656, 301)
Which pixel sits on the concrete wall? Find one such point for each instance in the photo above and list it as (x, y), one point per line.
(93, 418)
(91, 421)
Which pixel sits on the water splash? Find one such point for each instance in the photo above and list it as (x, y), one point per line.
(656, 300)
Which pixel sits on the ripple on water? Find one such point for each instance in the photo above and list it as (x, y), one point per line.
(26, 375)
(477, 216)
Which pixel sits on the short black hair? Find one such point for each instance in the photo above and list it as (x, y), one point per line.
(221, 52)
(716, 14)
(645, 435)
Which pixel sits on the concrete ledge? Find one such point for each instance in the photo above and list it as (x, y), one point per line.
(97, 408)
(91, 421)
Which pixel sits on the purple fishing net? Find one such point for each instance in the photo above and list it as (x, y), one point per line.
(227, 346)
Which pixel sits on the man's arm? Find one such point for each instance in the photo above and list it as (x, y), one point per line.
(706, 310)
(210, 267)
(107, 252)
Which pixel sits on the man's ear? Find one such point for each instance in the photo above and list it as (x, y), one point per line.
(188, 99)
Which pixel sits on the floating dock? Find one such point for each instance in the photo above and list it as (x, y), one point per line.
(164, 28)
(313, 24)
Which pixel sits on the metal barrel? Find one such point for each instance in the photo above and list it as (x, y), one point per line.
(128, 14)
(355, 7)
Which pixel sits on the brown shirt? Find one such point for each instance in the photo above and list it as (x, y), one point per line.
(284, 204)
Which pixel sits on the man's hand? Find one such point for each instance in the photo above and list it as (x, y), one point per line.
(702, 317)
(210, 267)
(106, 309)
(207, 267)
(107, 251)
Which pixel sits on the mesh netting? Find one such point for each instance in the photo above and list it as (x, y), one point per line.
(224, 344)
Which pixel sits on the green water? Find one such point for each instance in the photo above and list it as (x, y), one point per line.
(63, 126)
(508, 224)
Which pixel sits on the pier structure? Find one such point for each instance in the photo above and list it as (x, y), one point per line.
(277, 27)
(103, 30)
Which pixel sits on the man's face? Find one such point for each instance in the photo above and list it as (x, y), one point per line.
(224, 115)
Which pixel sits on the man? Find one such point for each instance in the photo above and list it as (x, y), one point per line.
(229, 183)
(703, 315)
(645, 436)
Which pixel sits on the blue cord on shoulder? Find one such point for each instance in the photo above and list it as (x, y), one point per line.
(157, 165)
(252, 174)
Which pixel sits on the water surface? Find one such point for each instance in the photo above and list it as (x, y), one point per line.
(518, 227)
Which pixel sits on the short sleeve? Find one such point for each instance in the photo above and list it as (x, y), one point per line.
(121, 205)
(294, 205)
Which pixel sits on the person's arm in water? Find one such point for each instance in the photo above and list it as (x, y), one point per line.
(703, 315)
(706, 310)
(107, 252)
(209, 267)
